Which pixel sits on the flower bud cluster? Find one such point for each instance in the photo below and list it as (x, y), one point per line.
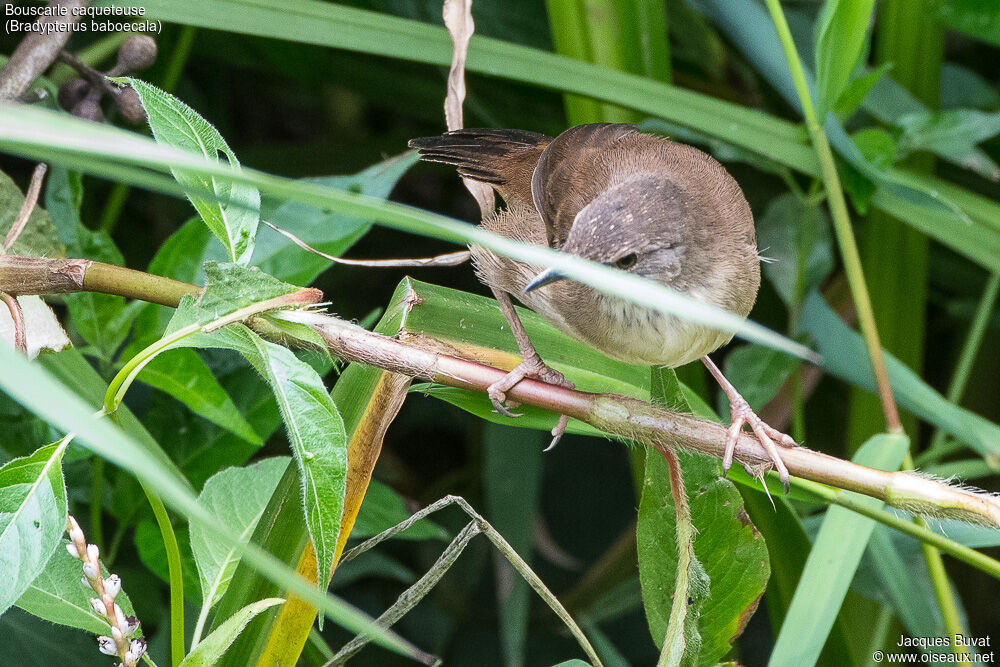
(104, 605)
(82, 95)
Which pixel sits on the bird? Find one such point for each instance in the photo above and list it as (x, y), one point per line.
(635, 201)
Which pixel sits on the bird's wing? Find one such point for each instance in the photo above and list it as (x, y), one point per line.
(572, 170)
(504, 159)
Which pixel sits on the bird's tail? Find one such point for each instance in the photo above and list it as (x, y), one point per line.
(493, 156)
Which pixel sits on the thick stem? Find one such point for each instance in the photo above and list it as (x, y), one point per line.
(618, 415)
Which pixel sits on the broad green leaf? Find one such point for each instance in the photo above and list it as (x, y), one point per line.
(832, 562)
(234, 216)
(473, 326)
(39, 237)
(32, 517)
(845, 357)
(39, 391)
(383, 508)
(182, 374)
(512, 476)
(100, 319)
(57, 595)
(230, 287)
(952, 135)
(840, 40)
(281, 531)
(324, 229)
(236, 497)
(210, 649)
(727, 545)
(795, 239)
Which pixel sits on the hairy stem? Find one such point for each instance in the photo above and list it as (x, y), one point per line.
(621, 416)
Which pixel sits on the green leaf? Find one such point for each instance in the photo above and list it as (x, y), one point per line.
(952, 135)
(639, 290)
(56, 595)
(230, 287)
(32, 517)
(832, 562)
(236, 497)
(844, 356)
(727, 545)
(324, 229)
(314, 426)
(100, 319)
(210, 649)
(840, 41)
(857, 90)
(233, 217)
(181, 373)
(383, 508)
(39, 237)
(795, 239)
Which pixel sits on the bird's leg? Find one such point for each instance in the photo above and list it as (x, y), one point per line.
(531, 366)
(740, 414)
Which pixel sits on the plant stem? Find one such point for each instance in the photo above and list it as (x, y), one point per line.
(626, 417)
(841, 219)
(945, 598)
(919, 532)
(176, 576)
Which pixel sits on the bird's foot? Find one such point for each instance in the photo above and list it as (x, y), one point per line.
(531, 367)
(770, 438)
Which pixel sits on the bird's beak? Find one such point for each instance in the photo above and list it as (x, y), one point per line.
(544, 278)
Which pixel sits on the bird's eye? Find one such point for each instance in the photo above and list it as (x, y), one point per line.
(626, 262)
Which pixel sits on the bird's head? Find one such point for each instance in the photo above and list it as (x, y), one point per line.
(637, 225)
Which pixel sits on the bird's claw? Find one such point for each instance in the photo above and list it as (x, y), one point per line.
(768, 436)
(536, 369)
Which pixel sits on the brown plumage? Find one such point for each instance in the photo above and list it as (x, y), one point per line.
(607, 192)
(614, 195)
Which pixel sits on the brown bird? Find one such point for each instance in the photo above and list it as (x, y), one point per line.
(638, 202)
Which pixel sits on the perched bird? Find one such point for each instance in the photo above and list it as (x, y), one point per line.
(641, 203)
